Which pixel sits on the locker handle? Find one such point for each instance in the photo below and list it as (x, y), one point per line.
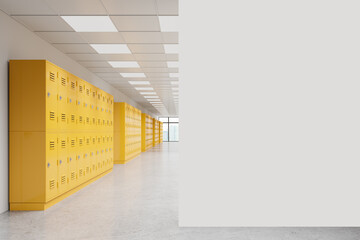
(48, 94)
(48, 165)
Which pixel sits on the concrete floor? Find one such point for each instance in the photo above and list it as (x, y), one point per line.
(139, 201)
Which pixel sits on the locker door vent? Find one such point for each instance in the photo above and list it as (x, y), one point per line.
(72, 118)
(88, 92)
(73, 175)
(72, 142)
(63, 179)
(94, 94)
(80, 142)
(87, 120)
(63, 117)
(73, 85)
(81, 88)
(63, 81)
(52, 145)
(63, 144)
(52, 184)
(52, 115)
(94, 140)
(87, 141)
(87, 169)
(94, 121)
(52, 76)
(80, 119)
(80, 173)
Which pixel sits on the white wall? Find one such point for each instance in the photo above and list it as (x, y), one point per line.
(17, 42)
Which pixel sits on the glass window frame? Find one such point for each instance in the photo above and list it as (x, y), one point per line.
(168, 127)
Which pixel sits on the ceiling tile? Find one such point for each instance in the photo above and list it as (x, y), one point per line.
(133, 7)
(102, 70)
(61, 37)
(150, 57)
(146, 48)
(44, 23)
(118, 57)
(170, 37)
(168, 7)
(77, 7)
(86, 57)
(33, 7)
(142, 37)
(74, 48)
(172, 57)
(152, 64)
(136, 23)
(109, 74)
(129, 70)
(95, 64)
(157, 75)
(103, 37)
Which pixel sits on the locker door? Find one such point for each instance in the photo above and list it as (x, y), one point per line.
(51, 167)
(99, 154)
(63, 108)
(51, 98)
(80, 104)
(62, 165)
(72, 94)
(93, 155)
(72, 154)
(86, 155)
(80, 158)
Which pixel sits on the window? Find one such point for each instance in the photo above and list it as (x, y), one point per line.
(170, 129)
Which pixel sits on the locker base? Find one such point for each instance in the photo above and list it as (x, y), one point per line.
(44, 206)
(127, 160)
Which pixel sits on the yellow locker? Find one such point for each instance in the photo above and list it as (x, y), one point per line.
(53, 148)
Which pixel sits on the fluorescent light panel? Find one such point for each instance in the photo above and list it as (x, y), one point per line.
(144, 88)
(111, 48)
(169, 23)
(151, 96)
(148, 93)
(124, 64)
(171, 48)
(139, 82)
(132, 75)
(175, 83)
(154, 100)
(173, 64)
(174, 74)
(90, 23)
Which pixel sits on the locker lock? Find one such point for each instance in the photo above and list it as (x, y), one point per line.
(79, 157)
(85, 104)
(70, 99)
(78, 102)
(60, 161)
(70, 159)
(85, 155)
(60, 97)
(92, 106)
(48, 165)
(102, 151)
(97, 152)
(48, 94)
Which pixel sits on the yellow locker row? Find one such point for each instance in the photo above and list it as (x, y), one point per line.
(161, 132)
(64, 101)
(127, 132)
(155, 132)
(146, 132)
(61, 134)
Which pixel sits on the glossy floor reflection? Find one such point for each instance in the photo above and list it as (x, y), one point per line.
(139, 201)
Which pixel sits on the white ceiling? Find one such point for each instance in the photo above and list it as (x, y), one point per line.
(138, 26)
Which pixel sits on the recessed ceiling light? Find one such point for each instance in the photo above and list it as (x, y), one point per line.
(174, 74)
(132, 75)
(173, 64)
(90, 23)
(169, 23)
(175, 89)
(148, 93)
(144, 88)
(171, 48)
(175, 83)
(124, 64)
(154, 100)
(110, 48)
(151, 96)
(139, 82)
